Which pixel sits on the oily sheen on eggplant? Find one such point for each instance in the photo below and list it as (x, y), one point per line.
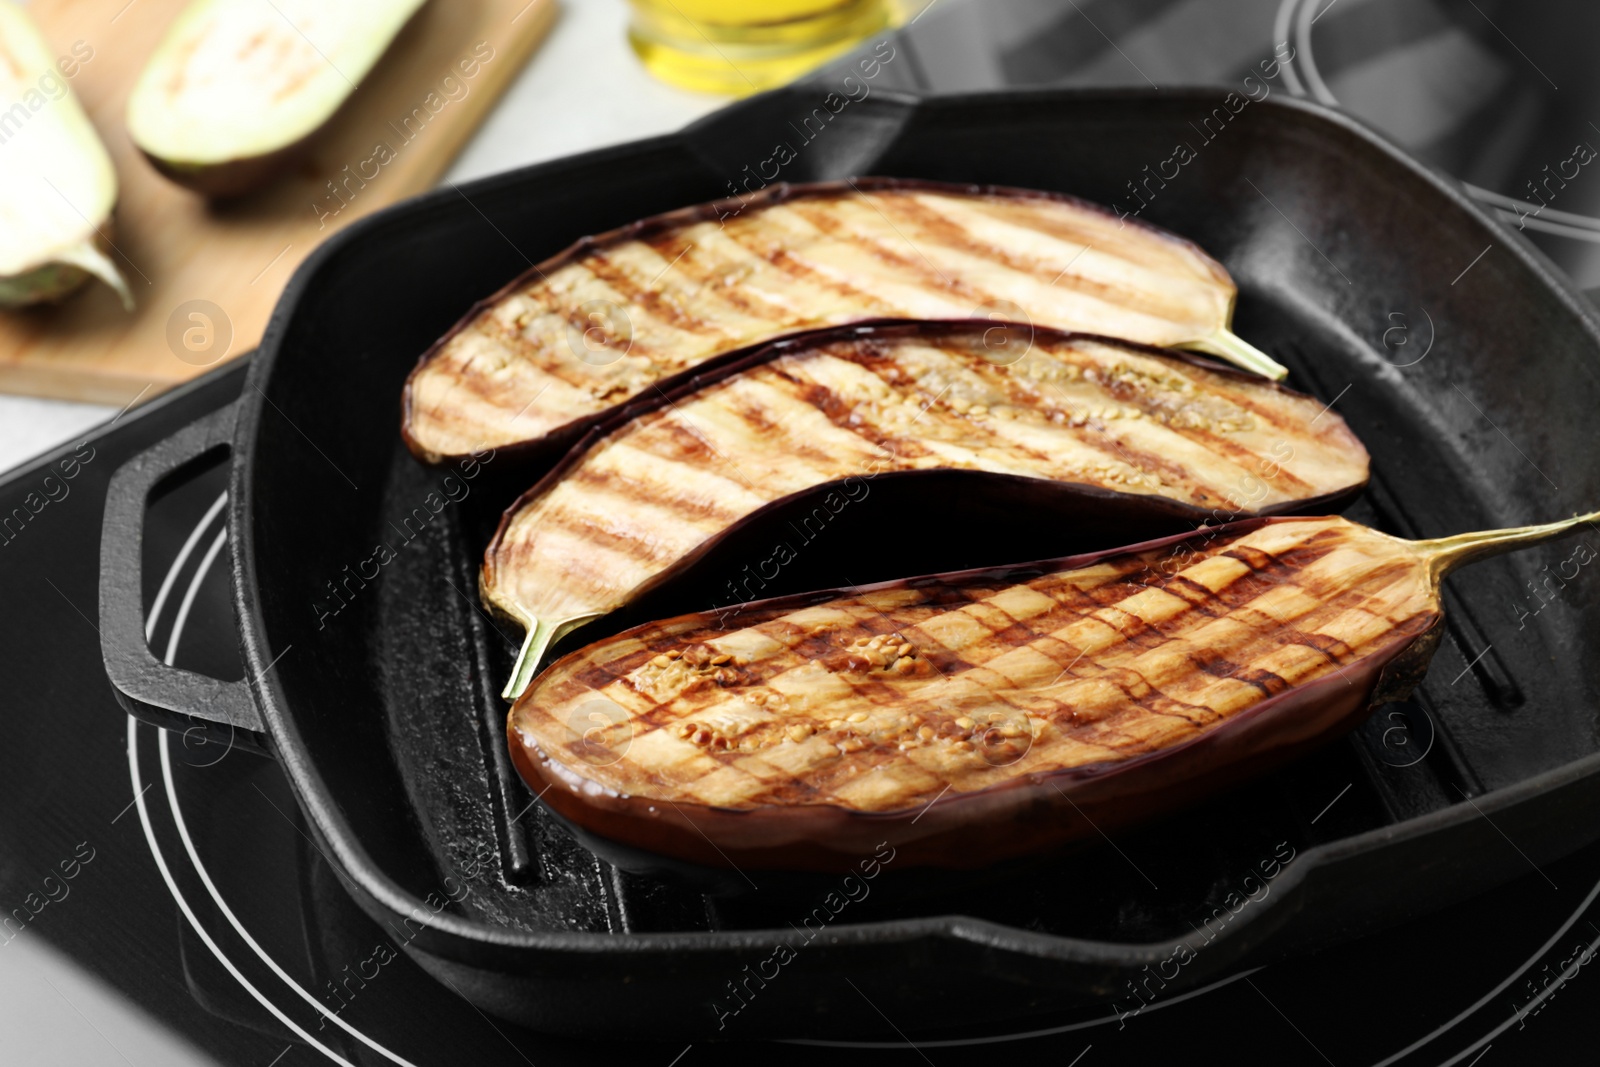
(614, 315)
(973, 717)
(1086, 425)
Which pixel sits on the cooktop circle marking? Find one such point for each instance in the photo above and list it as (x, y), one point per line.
(1544, 994)
(233, 920)
(188, 912)
(178, 562)
(189, 594)
(956, 1042)
(149, 831)
(1476, 1005)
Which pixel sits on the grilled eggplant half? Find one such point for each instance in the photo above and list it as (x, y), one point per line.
(614, 315)
(972, 717)
(1066, 428)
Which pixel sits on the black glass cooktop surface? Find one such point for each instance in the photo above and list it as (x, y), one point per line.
(1499, 94)
(175, 876)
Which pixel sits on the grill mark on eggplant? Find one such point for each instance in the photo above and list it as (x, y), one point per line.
(940, 229)
(674, 436)
(893, 446)
(1214, 442)
(1074, 229)
(1231, 598)
(618, 496)
(1091, 433)
(1252, 557)
(795, 266)
(1222, 446)
(818, 396)
(1145, 698)
(937, 229)
(1141, 459)
(625, 491)
(1097, 434)
(598, 676)
(1262, 679)
(912, 261)
(762, 422)
(949, 233)
(1264, 412)
(1334, 650)
(710, 285)
(1249, 461)
(573, 373)
(1090, 608)
(1199, 597)
(653, 300)
(485, 386)
(605, 525)
(599, 538)
(511, 337)
(839, 412)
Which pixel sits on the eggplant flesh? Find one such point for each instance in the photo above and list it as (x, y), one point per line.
(826, 414)
(973, 717)
(614, 315)
(57, 184)
(237, 88)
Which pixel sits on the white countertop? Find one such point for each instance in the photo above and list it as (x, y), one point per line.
(582, 89)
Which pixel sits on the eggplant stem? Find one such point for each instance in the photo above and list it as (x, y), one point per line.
(88, 258)
(540, 636)
(1241, 353)
(1445, 554)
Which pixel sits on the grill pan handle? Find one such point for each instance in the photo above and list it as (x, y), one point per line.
(168, 697)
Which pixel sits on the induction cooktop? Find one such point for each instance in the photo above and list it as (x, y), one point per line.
(177, 869)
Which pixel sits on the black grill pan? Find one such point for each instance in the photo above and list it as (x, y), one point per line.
(1464, 361)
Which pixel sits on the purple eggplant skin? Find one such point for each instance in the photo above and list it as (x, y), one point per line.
(543, 449)
(1024, 816)
(237, 177)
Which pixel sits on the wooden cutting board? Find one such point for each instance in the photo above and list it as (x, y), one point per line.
(206, 277)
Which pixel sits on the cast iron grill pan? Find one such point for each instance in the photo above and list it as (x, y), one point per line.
(387, 720)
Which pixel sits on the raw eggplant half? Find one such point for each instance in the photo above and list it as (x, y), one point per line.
(969, 718)
(612, 316)
(57, 185)
(237, 88)
(1071, 429)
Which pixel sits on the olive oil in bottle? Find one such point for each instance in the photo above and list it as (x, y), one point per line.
(740, 47)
